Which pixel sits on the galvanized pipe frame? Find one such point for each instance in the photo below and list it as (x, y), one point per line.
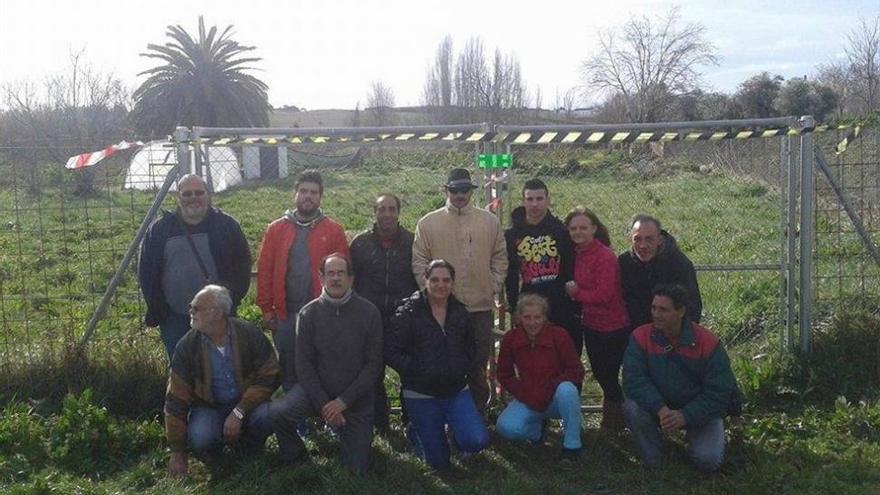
(791, 236)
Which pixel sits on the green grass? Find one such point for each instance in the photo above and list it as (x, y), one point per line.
(59, 251)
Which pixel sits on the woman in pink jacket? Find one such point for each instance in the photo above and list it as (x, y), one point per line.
(605, 322)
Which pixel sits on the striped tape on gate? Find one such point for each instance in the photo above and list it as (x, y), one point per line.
(539, 137)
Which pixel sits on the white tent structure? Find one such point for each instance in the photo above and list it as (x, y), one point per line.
(149, 166)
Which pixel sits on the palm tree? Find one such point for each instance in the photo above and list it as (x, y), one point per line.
(199, 82)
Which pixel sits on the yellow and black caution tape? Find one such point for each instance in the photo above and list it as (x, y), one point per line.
(623, 136)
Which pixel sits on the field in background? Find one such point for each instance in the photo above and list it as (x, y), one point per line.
(57, 253)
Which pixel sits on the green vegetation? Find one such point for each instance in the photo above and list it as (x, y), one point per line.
(69, 425)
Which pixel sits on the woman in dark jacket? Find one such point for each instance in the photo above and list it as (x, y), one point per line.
(431, 346)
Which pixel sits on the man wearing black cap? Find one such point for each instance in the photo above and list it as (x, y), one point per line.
(470, 239)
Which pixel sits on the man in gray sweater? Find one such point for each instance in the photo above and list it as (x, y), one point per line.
(338, 360)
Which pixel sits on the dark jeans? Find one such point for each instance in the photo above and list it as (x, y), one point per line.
(355, 438)
(381, 405)
(479, 382)
(171, 330)
(204, 430)
(605, 350)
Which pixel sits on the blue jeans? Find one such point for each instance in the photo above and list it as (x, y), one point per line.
(428, 418)
(173, 329)
(519, 422)
(705, 443)
(204, 430)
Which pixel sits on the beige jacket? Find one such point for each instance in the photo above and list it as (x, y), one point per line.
(472, 240)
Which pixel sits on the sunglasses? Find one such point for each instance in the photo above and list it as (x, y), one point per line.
(459, 190)
(198, 193)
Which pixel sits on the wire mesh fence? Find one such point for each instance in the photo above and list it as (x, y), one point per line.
(845, 271)
(64, 232)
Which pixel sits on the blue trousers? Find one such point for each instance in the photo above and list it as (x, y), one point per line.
(427, 429)
(171, 330)
(204, 430)
(705, 443)
(519, 422)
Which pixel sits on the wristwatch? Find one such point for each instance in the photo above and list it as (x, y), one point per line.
(238, 413)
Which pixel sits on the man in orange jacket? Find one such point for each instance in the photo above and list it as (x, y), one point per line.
(287, 269)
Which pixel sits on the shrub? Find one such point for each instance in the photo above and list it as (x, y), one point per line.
(22, 442)
(87, 440)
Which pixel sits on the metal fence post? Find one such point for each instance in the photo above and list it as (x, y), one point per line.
(787, 239)
(807, 232)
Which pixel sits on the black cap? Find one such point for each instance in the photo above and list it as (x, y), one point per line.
(459, 178)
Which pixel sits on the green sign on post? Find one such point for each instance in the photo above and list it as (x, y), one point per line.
(495, 161)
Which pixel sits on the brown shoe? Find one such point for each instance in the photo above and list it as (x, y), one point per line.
(612, 416)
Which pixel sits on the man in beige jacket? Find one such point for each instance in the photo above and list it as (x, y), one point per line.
(472, 240)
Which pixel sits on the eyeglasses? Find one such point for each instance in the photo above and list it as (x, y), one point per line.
(198, 193)
(196, 309)
(459, 190)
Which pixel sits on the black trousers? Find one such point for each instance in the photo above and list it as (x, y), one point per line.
(605, 350)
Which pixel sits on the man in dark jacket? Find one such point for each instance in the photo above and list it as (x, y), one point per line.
(338, 357)
(382, 261)
(540, 258)
(654, 259)
(185, 250)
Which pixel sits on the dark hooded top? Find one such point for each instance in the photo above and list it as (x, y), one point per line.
(541, 260)
(639, 279)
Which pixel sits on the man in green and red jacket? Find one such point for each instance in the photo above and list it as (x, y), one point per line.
(676, 375)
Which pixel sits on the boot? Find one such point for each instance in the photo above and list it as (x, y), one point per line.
(612, 416)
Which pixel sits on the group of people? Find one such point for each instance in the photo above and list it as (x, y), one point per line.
(422, 303)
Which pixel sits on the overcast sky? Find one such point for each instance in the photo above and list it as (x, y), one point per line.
(324, 53)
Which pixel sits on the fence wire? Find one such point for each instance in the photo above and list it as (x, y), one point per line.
(845, 273)
(63, 232)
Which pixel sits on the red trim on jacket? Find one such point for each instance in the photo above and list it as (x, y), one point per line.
(326, 237)
(699, 344)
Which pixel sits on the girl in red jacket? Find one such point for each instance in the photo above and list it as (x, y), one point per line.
(605, 322)
(538, 365)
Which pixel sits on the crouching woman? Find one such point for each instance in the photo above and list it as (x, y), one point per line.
(431, 346)
(538, 365)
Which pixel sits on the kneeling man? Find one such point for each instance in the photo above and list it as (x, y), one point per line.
(223, 372)
(676, 375)
(338, 360)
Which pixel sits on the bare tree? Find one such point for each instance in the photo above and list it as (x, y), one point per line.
(649, 62)
(863, 54)
(380, 103)
(437, 92)
(838, 77)
(80, 109)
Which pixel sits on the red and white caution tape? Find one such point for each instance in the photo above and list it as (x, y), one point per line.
(89, 159)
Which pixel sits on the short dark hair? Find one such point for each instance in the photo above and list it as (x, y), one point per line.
(675, 292)
(535, 184)
(390, 195)
(642, 218)
(337, 254)
(434, 264)
(310, 175)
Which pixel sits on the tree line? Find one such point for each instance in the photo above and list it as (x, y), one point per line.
(649, 69)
